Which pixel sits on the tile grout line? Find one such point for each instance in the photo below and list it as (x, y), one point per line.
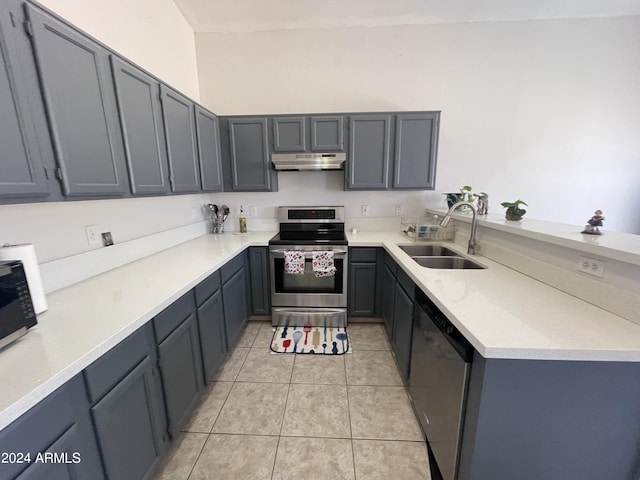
(353, 452)
(199, 454)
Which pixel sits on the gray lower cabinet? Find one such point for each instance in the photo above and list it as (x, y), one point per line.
(26, 149)
(208, 135)
(128, 407)
(234, 298)
(259, 280)
(369, 152)
(246, 156)
(61, 425)
(403, 322)
(388, 280)
(179, 360)
(141, 121)
(416, 147)
(81, 106)
(213, 338)
(362, 281)
(180, 133)
(397, 292)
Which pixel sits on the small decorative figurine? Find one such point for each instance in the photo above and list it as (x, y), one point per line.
(593, 223)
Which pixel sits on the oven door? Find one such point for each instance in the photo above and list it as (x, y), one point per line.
(306, 289)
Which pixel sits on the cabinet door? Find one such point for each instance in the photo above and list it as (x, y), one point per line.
(388, 299)
(22, 160)
(130, 437)
(81, 105)
(260, 291)
(212, 335)
(249, 155)
(327, 134)
(141, 121)
(416, 151)
(368, 164)
(180, 362)
(235, 306)
(403, 325)
(289, 134)
(66, 462)
(180, 133)
(60, 424)
(362, 289)
(209, 150)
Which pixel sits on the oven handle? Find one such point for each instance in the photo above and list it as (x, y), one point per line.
(279, 253)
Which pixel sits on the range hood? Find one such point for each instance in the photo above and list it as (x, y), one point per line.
(309, 161)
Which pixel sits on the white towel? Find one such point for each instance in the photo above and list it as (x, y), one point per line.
(323, 265)
(294, 262)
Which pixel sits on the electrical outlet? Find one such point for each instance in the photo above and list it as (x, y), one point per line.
(591, 266)
(93, 237)
(364, 210)
(398, 210)
(253, 211)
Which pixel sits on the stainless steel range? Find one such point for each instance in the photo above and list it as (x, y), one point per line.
(309, 267)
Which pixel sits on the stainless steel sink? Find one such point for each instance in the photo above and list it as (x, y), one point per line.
(428, 251)
(447, 263)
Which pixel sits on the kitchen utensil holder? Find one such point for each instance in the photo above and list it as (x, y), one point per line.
(427, 228)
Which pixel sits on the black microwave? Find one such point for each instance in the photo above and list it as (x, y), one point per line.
(16, 308)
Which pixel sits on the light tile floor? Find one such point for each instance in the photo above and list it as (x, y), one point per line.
(279, 417)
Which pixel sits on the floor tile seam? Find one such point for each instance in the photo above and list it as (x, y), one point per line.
(221, 406)
(404, 440)
(353, 453)
(385, 385)
(198, 457)
(243, 362)
(314, 436)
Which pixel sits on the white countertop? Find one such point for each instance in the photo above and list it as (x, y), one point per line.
(87, 319)
(503, 313)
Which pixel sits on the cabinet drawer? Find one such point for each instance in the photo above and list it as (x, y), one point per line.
(172, 316)
(207, 287)
(363, 254)
(229, 269)
(407, 284)
(103, 374)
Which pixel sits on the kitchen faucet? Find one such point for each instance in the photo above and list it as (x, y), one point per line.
(471, 250)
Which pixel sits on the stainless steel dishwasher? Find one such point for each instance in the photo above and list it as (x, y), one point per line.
(440, 365)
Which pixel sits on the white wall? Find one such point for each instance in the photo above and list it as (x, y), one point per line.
(151, 33)
(546, 111)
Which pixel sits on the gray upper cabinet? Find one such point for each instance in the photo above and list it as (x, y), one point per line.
(327, 133)
(249, 162)
(368, 162)
(180, 133)
(320, 133)
(208, 132)
(289, 134)
(23, 131)
(416, 148)
(141, 120)
(81, 106)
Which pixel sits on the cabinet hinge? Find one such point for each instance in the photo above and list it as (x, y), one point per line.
(58, 172)
(46, 172)
(28, 28)
(13, 20)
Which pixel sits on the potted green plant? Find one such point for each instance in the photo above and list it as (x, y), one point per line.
(514, 212)
(465, 195)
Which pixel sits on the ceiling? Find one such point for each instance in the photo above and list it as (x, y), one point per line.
(260, 15)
